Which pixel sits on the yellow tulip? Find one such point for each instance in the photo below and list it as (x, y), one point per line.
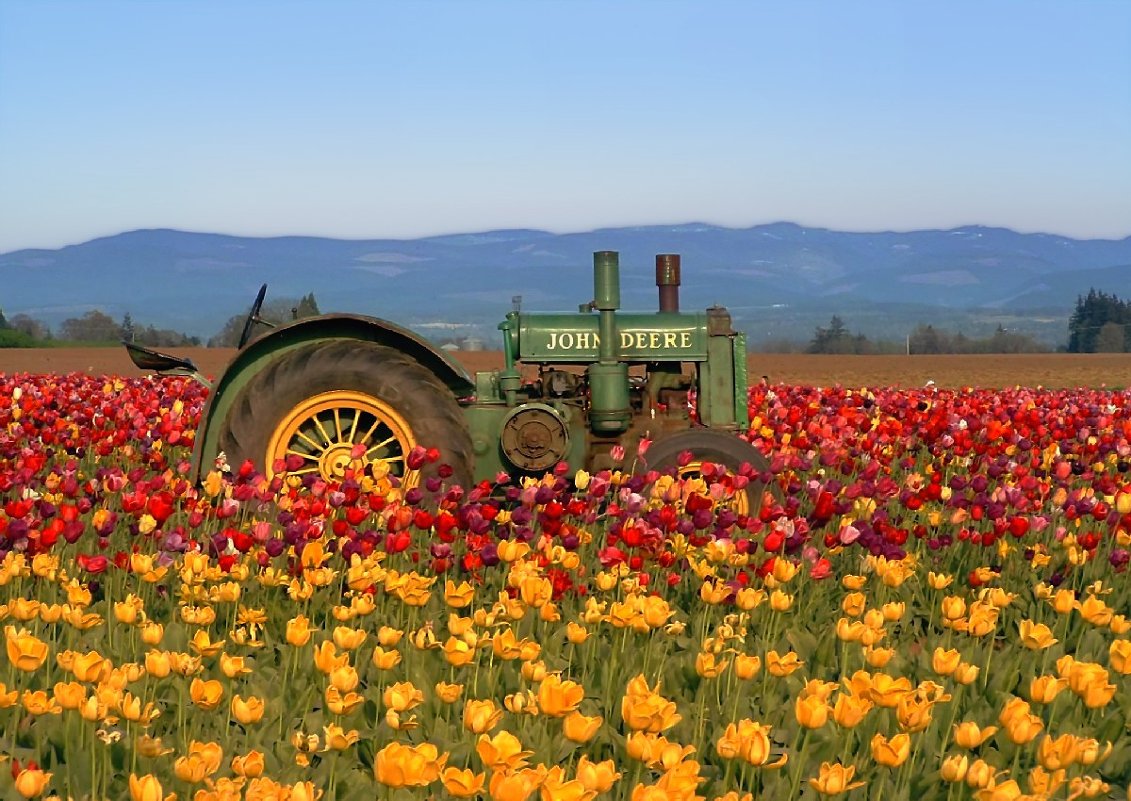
(398, 765)
(481, 716)
(386, 660)
(1023, 729)
(878, 657)
(1095, 611)
(811, 711)
(1119, 656)
(233, 666)
(158, 664)
(145, 788)
(69, 695)
(89, 666)
(152, 632)
(463, 783)
(747, 666)
(597, 777)
(191, 769)
(954, 768)
(326, 657)
(891, 753)
(576, 633)
(337, 738)
(206, 694)
(965, 673)
(448, 693)
(886, 691)
(850, 709)
(953, 607)
(854, 604)
(247, 711)
(348, 639)
(342, 704)
(516, 786)
(939, 581)
(580, 728)
(501, 752)
(344, 678)
(1035, 636)
(402, 696)
(945, 662)
(30, 782)
(980, 774)
(782, 664)
(202, 644)
(298, 631)
(969, 735)
(25, 651)
(834, 778)
(1003, 791)
(1060, 752)
(458, 652)
(644, 709)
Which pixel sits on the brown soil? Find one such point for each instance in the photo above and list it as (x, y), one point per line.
(1112, 370)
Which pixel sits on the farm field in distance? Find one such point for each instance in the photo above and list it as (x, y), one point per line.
(1052, 370)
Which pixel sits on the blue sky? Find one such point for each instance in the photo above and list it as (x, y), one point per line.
(359, 119)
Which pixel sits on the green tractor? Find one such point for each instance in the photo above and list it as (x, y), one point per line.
(321, 393)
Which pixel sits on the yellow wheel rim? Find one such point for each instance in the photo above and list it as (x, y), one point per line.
(326, 430)
(739, 502)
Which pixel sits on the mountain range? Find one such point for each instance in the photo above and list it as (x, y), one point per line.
(778, 279)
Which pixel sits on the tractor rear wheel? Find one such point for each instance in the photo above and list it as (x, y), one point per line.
(717, 447)
(326, 405)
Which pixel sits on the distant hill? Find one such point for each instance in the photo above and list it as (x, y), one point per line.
(778, 279)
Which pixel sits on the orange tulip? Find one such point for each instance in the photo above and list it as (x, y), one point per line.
(25, 651)
(463, 783)
(580, 728)
(557, 698)
(206, 694)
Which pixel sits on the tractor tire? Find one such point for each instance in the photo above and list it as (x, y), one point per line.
(321, 401)
(718, 447)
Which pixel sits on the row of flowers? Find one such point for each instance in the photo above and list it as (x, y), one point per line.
(932, 601)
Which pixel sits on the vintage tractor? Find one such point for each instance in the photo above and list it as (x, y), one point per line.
(321, 393)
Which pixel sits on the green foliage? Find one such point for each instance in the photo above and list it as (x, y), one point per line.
(278, 311)
(838, 339)
(926, 339)
(94, 326)
(11, 338)
(1100, 323)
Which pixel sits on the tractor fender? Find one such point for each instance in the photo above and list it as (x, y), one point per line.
(263, 350)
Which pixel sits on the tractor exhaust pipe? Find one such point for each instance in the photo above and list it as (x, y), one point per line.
(667, 280)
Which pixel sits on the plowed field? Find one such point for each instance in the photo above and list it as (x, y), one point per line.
(1112, 370)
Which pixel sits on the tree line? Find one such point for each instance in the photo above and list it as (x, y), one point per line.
(925, 339)
(1100, 323)
(96, 327)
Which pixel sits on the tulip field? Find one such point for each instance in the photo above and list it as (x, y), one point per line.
(931, 603)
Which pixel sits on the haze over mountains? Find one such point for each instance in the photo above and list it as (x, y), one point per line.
(779, 280)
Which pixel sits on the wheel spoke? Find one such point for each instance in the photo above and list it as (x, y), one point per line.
(353, 426)
(338, 424)
(316, 446)
(372, 428)
(381, 444)
(304, 456)
(322, 431)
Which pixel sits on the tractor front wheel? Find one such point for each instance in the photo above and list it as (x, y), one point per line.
(717, 447)
(327, 406)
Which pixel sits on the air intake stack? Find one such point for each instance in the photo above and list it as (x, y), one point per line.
(667, 279)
